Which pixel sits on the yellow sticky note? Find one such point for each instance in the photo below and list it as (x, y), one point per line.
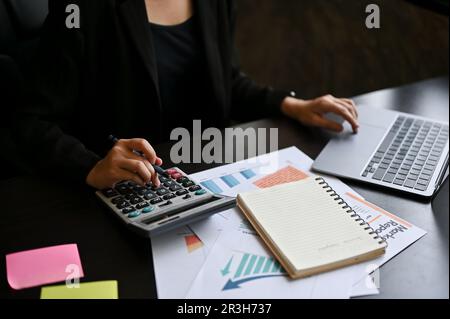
(87, 290)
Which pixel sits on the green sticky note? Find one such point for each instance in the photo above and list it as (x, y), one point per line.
(87, 290)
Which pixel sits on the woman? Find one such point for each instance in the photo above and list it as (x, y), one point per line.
(139, 68)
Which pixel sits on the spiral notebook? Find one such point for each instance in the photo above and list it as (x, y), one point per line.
(309, 228)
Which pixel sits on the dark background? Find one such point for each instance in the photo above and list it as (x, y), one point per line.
(314, 47)
(323, 46)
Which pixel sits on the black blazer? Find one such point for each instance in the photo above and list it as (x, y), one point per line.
(90, 82)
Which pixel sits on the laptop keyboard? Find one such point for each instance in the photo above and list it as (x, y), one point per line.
(409, 153)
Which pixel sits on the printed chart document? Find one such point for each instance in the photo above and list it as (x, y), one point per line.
(176, 269)
(239, 266)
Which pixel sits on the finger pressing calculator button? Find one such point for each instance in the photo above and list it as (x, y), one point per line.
(169, 196)
(182, 192)
(134, 214)
(195, 188)
(128, 210)
(156, 201)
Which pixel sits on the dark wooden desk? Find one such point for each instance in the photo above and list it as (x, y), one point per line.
(37, 213)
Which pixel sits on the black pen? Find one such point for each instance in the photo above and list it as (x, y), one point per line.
(157, 168)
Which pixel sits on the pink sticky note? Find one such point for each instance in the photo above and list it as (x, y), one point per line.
(37, 267)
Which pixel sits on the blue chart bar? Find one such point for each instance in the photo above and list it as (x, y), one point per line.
(250, 265)
(230, 180)
(213, 187)
(248, 173)
(241, 266)
(254, 266)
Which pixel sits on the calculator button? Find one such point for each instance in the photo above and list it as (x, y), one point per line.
(136, 200)
(169, 196)
(109, 193)
(134, 214)
(118, 199)
(156, 201)
(188, 184)
(176, 176)
(148, 209)
(171, 171)
(182, 179)
(174, 188)
(162, 191)
(182, 192)
(169, 184)
(128, 210)
(121, 205)
(195, 188)
(123, 189)
(163, 179)
(144, 191)
(142, 205)
(187, 196)
(200, 192)
(150, 196)
(166, 204)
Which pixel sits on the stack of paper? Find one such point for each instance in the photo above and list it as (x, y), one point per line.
(223, 257)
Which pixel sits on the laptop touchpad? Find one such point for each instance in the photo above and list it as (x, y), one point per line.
(348, 153)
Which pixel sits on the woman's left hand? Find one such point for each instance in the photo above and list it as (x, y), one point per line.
(312, 112)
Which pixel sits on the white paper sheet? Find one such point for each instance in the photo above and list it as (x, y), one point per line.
(239, 266)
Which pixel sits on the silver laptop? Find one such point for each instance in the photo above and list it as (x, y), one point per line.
(400, 151)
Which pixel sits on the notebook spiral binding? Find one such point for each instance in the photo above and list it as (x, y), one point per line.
(349, 210)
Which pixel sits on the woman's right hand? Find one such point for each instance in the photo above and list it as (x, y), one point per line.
(122, 164)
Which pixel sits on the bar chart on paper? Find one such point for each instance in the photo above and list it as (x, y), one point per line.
(223, 183)
(244, 268)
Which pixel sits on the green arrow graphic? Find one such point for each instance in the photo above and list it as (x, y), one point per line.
(226, 270)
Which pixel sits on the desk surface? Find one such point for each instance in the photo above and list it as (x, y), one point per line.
(37, 213)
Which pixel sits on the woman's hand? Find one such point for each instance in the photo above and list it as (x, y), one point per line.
(122, 164)
(311, 112)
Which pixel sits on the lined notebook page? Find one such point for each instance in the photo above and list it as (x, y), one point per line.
(307, 225)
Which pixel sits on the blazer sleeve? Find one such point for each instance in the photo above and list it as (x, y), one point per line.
(249, 99)
(53, 90)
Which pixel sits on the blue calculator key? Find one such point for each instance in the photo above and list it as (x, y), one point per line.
(134, 214)
(148, 209)
(200, 192)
